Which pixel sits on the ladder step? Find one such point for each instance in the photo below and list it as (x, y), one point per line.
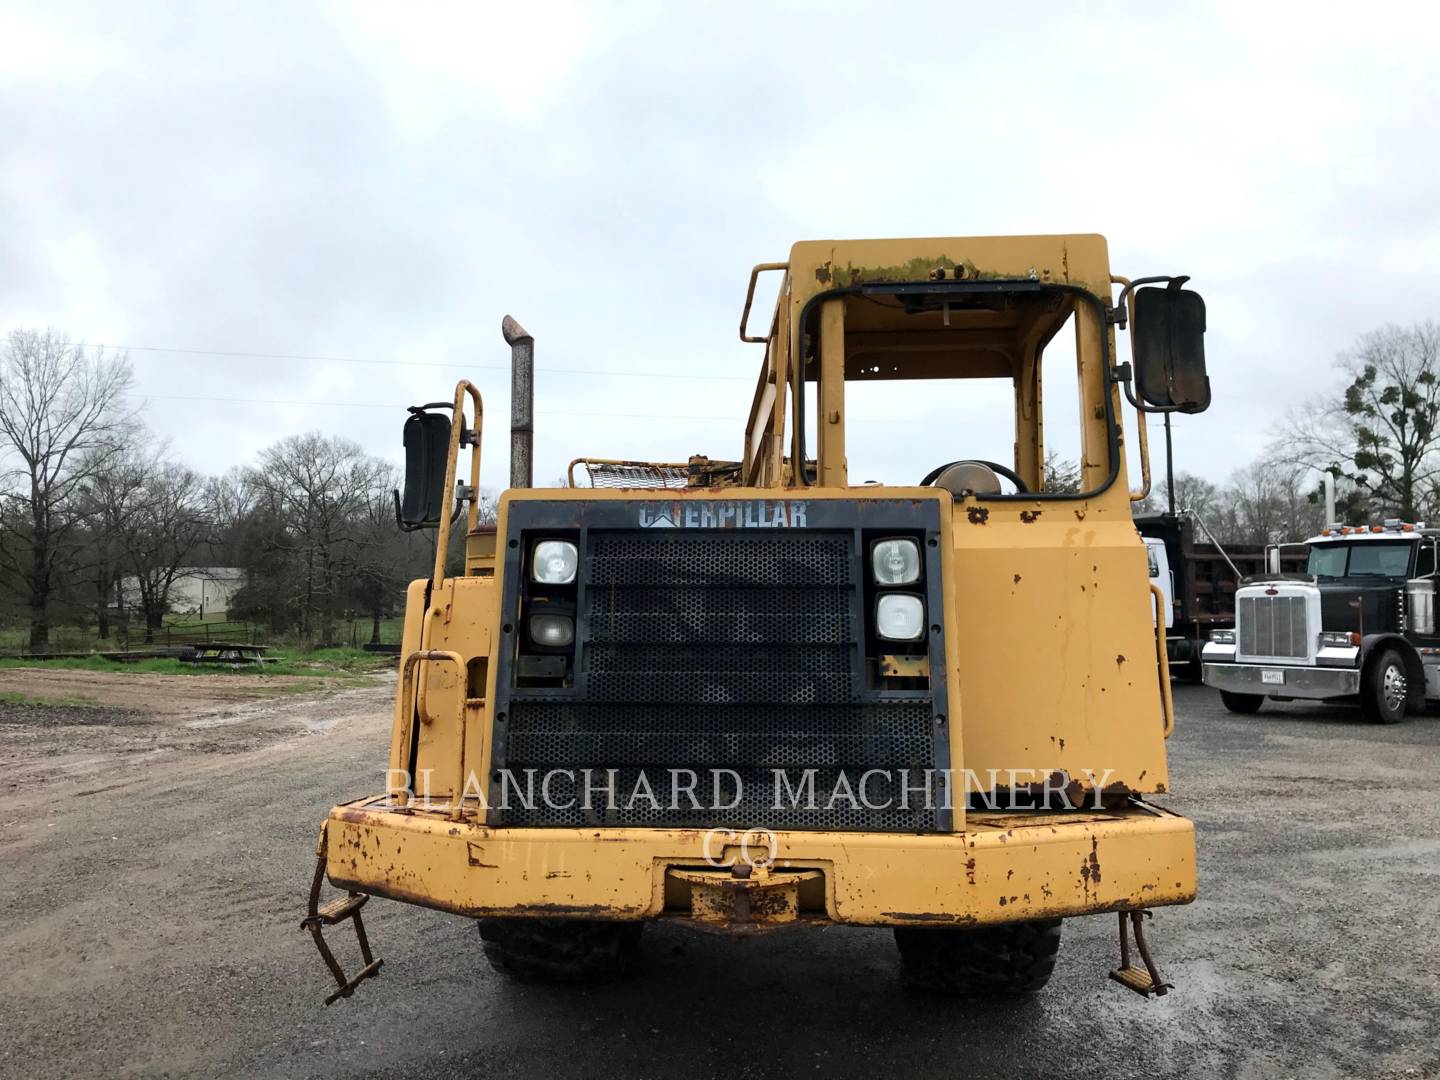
(1138, 979)
(369, 970)
(341, 908)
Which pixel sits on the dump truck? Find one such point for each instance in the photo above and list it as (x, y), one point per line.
(1356, 626)
(748, 693)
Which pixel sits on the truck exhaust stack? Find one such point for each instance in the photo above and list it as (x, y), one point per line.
(522, 402)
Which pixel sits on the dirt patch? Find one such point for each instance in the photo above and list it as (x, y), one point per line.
(109, 729)
(154, 695)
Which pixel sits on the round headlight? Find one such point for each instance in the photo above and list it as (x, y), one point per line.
(552, 631)
(554, 562)
(895, 562)
(900, 617)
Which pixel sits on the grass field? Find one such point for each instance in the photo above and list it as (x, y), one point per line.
(81, 701)
(352, 632)
(331, 663)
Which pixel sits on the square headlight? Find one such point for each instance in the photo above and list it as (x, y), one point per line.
(900, 617)
(554, 562)
(895, 561)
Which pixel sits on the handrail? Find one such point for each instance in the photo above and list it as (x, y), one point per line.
(1140, 431)
(442, 536)
(755, 272)
(427, 636)
(406, 700)
(1162, 656)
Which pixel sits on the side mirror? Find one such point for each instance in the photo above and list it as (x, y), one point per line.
(427, 452)
(1167, 341)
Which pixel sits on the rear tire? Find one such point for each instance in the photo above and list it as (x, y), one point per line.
(1012, 960)
(1384, 688)
(1243, 704)
(561, 950)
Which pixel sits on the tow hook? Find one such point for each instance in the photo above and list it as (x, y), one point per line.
(319, 916)
(1144, 981)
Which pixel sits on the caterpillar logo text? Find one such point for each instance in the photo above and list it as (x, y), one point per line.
(759, 514)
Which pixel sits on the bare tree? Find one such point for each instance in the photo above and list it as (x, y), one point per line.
(60, 406)
(313, 490)
(1383, 433)
(108, 500)
(166, 526)
(1196, 493)
(1269, 502)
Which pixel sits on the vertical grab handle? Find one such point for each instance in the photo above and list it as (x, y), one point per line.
(406, 701)
(1162, 659)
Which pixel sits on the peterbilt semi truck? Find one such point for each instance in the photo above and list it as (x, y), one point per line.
(1357, 626)
(1199, 578)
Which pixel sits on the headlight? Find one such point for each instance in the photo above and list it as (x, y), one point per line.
(554, 562)
(1338, 639)
(895, 562)
(1222, 637)
(551, 630)
(900, 617)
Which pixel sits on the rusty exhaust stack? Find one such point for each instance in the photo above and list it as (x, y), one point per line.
(522, 403)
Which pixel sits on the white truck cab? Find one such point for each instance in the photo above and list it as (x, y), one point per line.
(1161, 575)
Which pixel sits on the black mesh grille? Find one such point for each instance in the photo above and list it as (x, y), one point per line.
(722, 655)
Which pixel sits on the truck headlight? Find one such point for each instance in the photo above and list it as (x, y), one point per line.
(1222, 637)
(554, 562)
(895, 562)
(551, 630)
(900, 617)
(1338, 639)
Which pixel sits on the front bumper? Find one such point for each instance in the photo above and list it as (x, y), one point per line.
(1003, 868)
(1296, 682)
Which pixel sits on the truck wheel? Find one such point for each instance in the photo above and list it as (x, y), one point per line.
(993, 961)
(561, 950)
(1384, 687)
(1241, 703)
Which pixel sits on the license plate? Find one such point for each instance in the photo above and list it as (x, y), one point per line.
(1273, 678)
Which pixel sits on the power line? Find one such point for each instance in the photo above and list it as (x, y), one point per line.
(392, 407)
(413, 363)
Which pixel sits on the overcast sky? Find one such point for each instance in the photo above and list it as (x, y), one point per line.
(383, 182)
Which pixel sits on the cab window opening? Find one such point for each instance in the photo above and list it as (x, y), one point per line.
(986, 372)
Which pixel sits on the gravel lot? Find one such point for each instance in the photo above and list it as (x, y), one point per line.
(149, 911)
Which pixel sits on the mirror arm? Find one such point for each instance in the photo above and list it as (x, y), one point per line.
(1122, 304)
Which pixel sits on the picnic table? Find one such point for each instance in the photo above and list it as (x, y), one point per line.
(226, 652)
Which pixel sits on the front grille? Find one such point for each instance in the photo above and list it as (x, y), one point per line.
(719, 653)
(1272, 626)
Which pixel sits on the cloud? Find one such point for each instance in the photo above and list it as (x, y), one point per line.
(384, 182)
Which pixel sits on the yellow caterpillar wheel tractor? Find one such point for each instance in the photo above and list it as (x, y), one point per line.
(752, 694)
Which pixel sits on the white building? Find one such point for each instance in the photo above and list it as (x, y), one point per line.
(203, 592)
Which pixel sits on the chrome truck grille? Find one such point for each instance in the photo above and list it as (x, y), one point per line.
(1272, 626)
(741, 651)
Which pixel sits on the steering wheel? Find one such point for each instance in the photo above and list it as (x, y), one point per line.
(1009, 474)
